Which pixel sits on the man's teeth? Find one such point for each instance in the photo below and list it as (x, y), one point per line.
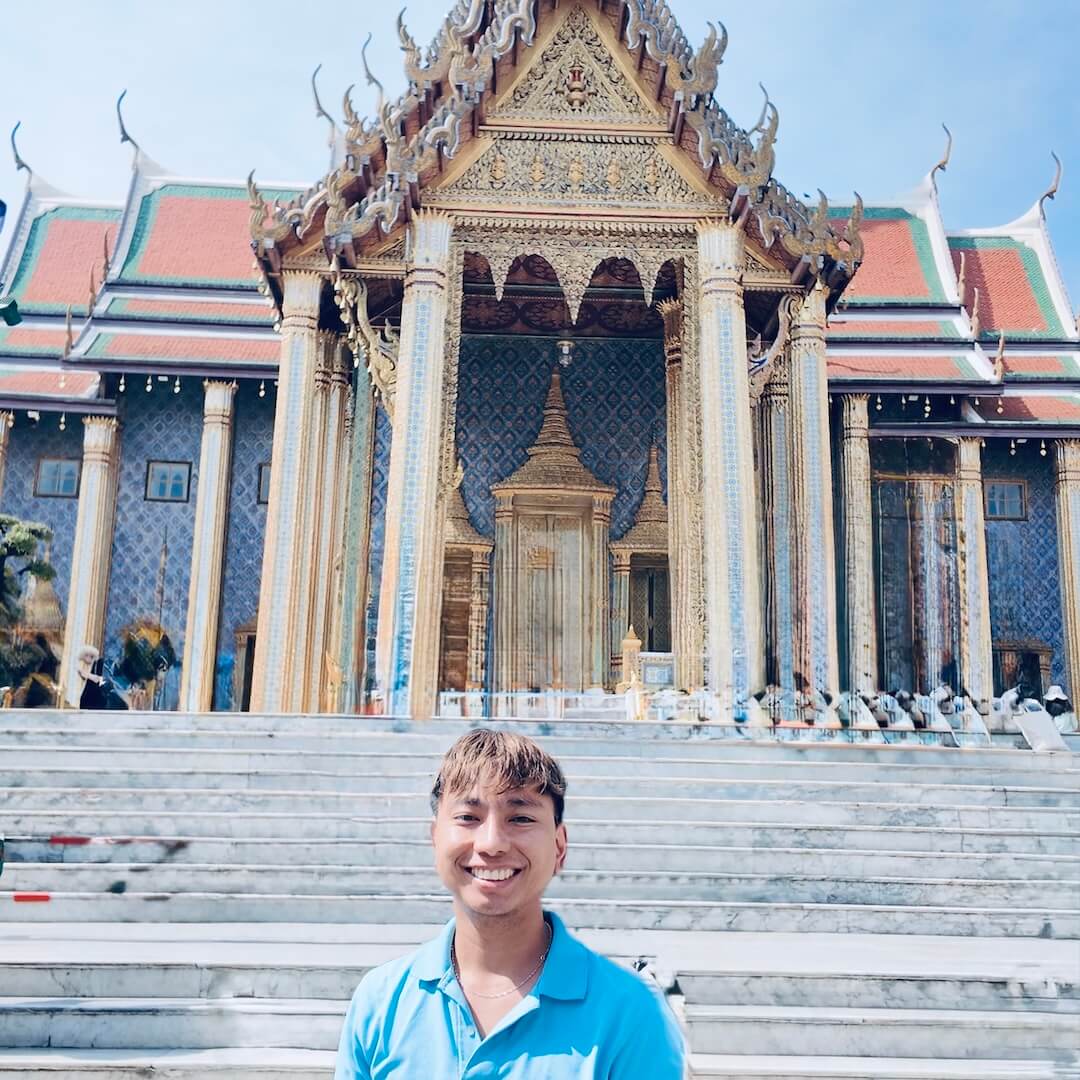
(491, 875)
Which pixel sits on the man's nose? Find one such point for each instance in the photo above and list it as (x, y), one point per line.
(491, 837)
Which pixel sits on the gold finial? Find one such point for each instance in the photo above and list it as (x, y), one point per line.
(106, 264)
(319, 110)
(371, 80)
(69, 338)
(999, 359)
(125, 135)
(942, 165)
(92, 297)
(976, 325)
(20, 164)
(1051, 191)
(961, 278)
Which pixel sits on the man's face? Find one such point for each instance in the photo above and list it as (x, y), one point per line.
(496, 852)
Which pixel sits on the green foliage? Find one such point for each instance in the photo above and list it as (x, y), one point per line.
(19, 541)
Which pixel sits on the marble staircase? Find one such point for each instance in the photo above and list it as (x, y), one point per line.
(196, 895)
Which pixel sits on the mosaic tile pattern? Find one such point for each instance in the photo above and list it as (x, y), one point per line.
(253, 439)
(28, 443)
(380, 471)
(1025, 594)
(615, 403)
(159, 426)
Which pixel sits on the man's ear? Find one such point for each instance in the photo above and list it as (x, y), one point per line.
(560, 848)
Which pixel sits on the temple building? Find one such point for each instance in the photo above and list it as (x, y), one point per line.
(549, 353)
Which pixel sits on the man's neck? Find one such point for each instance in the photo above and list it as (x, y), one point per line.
(508, 945)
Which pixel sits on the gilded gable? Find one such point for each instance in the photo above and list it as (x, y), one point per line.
(576, 77)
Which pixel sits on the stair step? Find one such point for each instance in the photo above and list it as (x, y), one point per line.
(753, 1067)
(888, 1032)
(241, 1064)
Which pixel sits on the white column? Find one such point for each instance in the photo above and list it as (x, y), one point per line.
(502, 678)
(6, 420)
(1067, 493)
(91, 557)
(860, 607)
(286, 551)
(620, 600)
(976, 646)
(411, 587)
(600, 667)
(814, 565)
(734, 652)
(478, 618)
(208, 548)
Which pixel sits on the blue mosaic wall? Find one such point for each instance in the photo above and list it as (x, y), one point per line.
(380, 471)
(29, 442)
(1025, 594)
(159, 426)
(253, 440)
(615, 402)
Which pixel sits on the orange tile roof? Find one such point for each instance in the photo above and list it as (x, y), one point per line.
(25, 341)
(193, 234)
(915, 368)
(898, 263)
(839, 326)
(1014, 294)
(64, 245)
(191, 310)
(69, 384)
(1029, 366)
(1043, 408)
(131, 346)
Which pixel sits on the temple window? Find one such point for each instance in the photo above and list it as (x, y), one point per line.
(1006, 500)
(263, 496)
(168, 481)
(57, 478)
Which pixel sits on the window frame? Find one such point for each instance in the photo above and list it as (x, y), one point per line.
(148, 497)
(39, 494)
(259, 500)
(1024, 506)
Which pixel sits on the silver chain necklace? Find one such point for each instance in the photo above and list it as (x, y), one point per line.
(503, 993)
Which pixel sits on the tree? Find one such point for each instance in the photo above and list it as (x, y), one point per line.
(19, 541)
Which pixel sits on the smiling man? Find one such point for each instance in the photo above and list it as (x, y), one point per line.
(505, 990)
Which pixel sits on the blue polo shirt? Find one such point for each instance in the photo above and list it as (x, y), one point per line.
(585, 1019)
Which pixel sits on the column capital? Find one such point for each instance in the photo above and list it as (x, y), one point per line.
(721, 253)
(855, 416)
(429, 240)
(969, 458)
(218, 399)
(301, 295)
(809, 319)
(99, 437)
(671, 311)
(1067, 461)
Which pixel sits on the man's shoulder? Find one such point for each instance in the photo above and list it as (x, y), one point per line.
(381, 981)
(615, 982)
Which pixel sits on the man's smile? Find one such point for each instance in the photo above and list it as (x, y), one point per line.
(484, 873)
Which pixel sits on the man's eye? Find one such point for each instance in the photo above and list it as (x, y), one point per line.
(522, 819)
(465, 817)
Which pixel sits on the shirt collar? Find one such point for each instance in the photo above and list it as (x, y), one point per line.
(565, 974)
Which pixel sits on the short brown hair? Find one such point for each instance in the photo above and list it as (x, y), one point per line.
(512, 761)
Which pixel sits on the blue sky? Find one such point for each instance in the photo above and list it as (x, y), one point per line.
(218, 88)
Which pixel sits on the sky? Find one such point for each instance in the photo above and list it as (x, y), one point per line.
(218, 87)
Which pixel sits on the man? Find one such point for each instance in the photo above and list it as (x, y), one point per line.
(505, 990)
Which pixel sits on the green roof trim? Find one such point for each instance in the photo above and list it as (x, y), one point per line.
(35, 244)
(1040, 287)
(171, 311)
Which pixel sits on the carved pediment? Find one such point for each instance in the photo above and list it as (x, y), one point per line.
(519, 170)
(575, 78)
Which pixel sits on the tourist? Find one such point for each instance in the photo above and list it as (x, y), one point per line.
(504, 990)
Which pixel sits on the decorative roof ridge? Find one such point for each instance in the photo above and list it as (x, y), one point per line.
(462, 61)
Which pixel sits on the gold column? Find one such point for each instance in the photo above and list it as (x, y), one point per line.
(505, 572)
(600, 667)
(860, 614)
(976, 645)
(478, 616)
(620, 599)
(7, 418)
(734, 652)
(775, 471)
(1067, 494)
(348, 633)
(410, 594)
(208, 548)
(816, 661)
(324, 522)
(286, 551)
(91, 558)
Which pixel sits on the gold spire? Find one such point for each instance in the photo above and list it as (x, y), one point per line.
(554, 459)
(649, 533)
